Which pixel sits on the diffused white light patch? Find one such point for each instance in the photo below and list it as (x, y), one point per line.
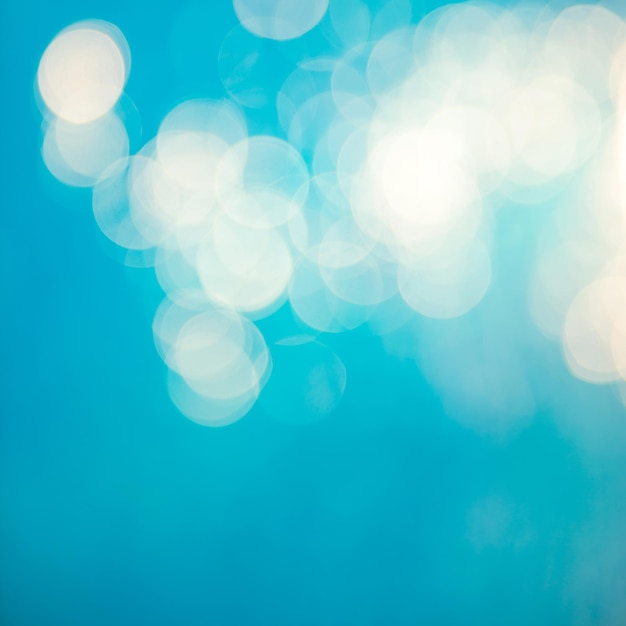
(601, 30)
(307, 384)
(391, 61)
(263, 161)
(221, 119)
(166, 209)
(169, 318)
(617, 77)
(317, 306)
(310, 121)
(244, 268)
(349, 87)
(465, 33)
(554, 126)
(321, 208)
(485, 146)
(279, 19)
(565, 266)
(208, 411)
(360, 282)
(553, 286)
(589, 331)
(262, 182)
(218, 362)
(221, 356)
(480, 377)
(417, 190)
(83, 71)
(175, 270)
(156, 200)
(350, 268)
(78, 154)
(448, 285)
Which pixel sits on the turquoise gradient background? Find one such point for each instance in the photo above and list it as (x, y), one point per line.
(115, 510)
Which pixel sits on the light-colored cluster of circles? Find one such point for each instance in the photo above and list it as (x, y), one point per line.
(417, 138)
(378, 203)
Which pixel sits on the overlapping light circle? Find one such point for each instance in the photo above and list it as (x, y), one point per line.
(83, 71)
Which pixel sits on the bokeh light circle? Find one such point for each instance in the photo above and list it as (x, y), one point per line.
(82, 72)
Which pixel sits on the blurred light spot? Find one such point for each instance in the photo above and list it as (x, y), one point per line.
(78, 154)
(593, 329)
(447, 285)
(208, 411)
(83, 71)
(218, 362)
(244, 268)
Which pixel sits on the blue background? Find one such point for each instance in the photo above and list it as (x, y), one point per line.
(117, 510)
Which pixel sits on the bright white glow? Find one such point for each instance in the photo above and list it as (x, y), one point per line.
(83, 71)
(259, 179)
(416, 191)
(484, 144)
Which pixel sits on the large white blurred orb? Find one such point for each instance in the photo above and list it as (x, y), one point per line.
(279, 19)
(78, 154)
(82, 72)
